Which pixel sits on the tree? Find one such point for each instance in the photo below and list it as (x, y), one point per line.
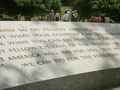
(67, 2)
(55, 5)
(108, 7)
(8, 7)
(28, 8)
(84, 8)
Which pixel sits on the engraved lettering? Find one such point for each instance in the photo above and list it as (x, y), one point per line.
(7, 30)
(65, 34)
(92, 50)
(99, 44)
(20, 36)
(54, 29)
(66, 52)
(86, 57)
(26, 56)
(34, 29)
(83, 44)
(72, 58)
(22, 49)
(52, 46)
(106, 55)
(117, 43)
(27, 64)
(2, 44)
(44, 62)
(72, 45)
(50, 53)
(106, 49)
(59, 60)
(67, 40)
(54, 40)
(2, 37)
(38, 41)
(1, 59)
(2, 51)
(41, 35)
(79, 39)
(17, 42)
(79, 51)
(98, 34)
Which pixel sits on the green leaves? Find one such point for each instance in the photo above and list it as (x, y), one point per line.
(84, 8)
(108, 7)
(55, 4)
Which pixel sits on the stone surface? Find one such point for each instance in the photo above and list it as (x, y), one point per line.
(37, 51)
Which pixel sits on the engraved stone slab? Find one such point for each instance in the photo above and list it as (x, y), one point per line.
(37, 51)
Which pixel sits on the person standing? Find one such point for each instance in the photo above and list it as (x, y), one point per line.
(66, 17)
(107, 19)
(76, 16)
(57, 16)
(98, 19)
(52, 15)
(73, 16)
(102, 18)
(93, 18)
(68, 12)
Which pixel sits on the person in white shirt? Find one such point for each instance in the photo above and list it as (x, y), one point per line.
(52, 15)
(68, 12)
(66, 17)
(57, 16)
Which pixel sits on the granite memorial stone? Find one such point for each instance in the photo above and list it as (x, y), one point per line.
(58, 55)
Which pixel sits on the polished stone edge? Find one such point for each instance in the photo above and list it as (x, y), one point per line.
(88, 81)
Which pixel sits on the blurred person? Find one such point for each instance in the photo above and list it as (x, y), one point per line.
(57, 16)
(102, 18)
(68, 12)
(93, 18)
(73, 16)
(52, 15)
(76, 16)
(98, 18)
(66, 17)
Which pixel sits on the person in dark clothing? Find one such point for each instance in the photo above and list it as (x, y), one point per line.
(73, 16)
(102, 18)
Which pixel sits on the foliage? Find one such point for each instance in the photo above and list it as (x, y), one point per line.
(84, 8)
(41, 8)
(8, 7)
(108, 7)
(67, 2)
(28, 8)
(64, 8)
(55, 5)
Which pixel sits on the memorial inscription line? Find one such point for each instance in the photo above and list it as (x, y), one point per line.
(67, 52)
(77, 32)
